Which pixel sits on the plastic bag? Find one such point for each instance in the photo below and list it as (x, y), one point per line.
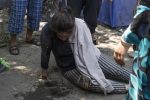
(4, 65)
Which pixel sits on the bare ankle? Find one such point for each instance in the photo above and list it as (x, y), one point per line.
(13, 40)
(44, 74)
(29, 34)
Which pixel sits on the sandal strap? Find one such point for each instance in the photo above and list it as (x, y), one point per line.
(14, 48)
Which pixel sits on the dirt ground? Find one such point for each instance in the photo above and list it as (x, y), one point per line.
(21, 82)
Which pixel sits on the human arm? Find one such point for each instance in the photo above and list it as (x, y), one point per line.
(120, 52)
(45, 55)
(128, 38)
(46, 46)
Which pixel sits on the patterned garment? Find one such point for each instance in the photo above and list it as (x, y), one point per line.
(140, 77)
(138, 33)
(18, 11)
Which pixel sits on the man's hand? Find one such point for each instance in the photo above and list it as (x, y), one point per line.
(120, 52)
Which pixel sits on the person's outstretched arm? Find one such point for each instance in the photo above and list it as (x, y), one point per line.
(128, 38)
(46, 46)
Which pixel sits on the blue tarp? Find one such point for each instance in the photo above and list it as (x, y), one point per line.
(117, 13)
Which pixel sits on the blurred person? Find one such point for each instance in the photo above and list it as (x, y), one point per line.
(16, 21)
(138, 35)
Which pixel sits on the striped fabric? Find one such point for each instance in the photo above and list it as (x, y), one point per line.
(111, 71)
(18, 11)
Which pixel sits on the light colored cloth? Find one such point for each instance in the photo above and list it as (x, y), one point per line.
(86, 55)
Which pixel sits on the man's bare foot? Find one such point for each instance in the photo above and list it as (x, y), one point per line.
(29, 35)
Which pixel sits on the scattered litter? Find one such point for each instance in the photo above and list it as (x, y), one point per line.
(4, 65)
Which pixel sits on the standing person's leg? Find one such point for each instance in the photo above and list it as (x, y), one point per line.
(34, 17)
(76, 6)
(16, 22)
(98, 6)
(90, 14)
